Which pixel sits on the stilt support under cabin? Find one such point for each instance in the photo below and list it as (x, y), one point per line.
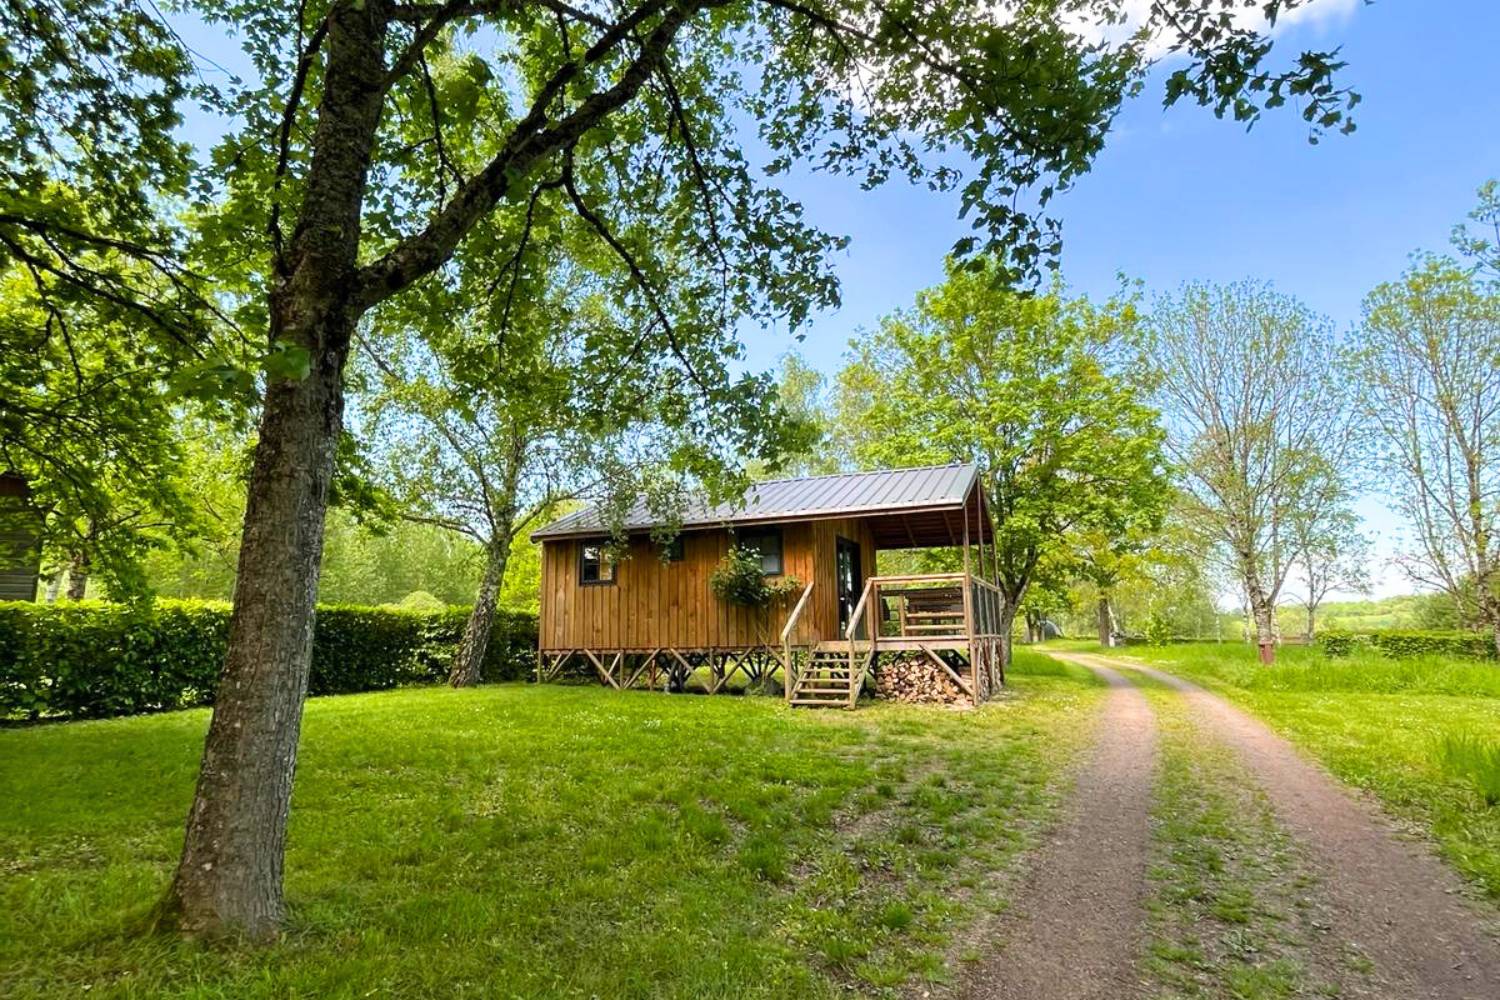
(827, 674)
(705, 671)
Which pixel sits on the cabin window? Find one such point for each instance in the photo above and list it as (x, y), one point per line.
(594, 564)
(670, 551)
(767, 542)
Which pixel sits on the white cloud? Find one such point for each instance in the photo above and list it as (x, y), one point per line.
(1322, 13)
(1316, 14)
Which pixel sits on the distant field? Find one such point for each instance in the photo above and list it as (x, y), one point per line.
(553, 841)
(1384, 725)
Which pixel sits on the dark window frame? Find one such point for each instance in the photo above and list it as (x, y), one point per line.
(745, 537)
(600, 561)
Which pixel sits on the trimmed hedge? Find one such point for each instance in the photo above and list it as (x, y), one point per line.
(91, 659)
(1402, 643)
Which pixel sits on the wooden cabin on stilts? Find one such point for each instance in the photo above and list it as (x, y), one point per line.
(650, 618)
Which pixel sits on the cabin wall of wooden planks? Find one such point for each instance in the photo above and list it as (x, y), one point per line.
(653, 604)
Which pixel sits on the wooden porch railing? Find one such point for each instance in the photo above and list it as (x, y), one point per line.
(788, 671)
(940, 607)
(986, 602)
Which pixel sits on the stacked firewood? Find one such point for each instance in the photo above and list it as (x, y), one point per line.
(915, 678)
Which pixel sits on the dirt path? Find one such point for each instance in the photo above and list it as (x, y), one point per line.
(1076, 929)
(1398, 903)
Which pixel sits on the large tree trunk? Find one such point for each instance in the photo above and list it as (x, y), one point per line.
(229, 878)
(468, 662)
(1312, 621)
(229, 881)
(1106, 623)
(1489, 611)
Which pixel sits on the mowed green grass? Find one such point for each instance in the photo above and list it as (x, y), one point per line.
(1380, 725)
(516, 841)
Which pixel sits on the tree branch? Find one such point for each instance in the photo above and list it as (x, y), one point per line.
(529, 142)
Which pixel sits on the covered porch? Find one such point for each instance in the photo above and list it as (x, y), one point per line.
(952, 623)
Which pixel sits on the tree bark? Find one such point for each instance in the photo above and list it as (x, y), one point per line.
(468, 662)
(78, 575)
(1007, 624)
(1263, 614)
(1106, 623)
(229, 881)
(1312, 620)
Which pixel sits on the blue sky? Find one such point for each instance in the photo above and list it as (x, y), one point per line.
(1178, 195)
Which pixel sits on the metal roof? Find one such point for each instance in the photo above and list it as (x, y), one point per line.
(893, 491)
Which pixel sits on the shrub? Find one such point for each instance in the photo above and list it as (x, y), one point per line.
(1472, 758)
(1158, 630)
(1404, 643)
(421, 600)
(1472, 645)
(92, 659)
(1337, 643)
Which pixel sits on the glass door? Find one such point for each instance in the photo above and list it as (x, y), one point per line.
(851, 582)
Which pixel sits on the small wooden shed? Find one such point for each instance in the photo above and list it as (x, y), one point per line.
(651, 619)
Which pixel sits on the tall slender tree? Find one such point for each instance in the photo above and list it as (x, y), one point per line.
(484, 442)
(1330, 553)
(1429, 369)
(1259, 424)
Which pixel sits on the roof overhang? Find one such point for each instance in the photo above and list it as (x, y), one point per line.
(902, 526)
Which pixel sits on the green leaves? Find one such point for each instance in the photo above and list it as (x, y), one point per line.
(1038, 389)
(288, 361)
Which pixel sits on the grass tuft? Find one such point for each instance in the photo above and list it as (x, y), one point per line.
(1471, 757)
(896, 916)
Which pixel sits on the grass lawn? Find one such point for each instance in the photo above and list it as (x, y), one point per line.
(1380, 725)
(516, 841)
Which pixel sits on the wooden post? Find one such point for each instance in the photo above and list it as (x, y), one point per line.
(969, 603)
(966, 539)
(786, 667)
(979, 504)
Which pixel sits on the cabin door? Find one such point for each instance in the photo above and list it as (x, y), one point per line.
(851, 581)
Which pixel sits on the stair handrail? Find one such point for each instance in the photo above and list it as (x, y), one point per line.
(854, 619)
(786, 638)
(859, 609)
(791, 619)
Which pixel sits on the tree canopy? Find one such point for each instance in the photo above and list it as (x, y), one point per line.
(1039, 390)
(1259, 422)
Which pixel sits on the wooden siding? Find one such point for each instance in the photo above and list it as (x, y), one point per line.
(653, 604)
(20, 533)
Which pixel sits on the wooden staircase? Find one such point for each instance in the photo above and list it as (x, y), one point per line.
(826, 681)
